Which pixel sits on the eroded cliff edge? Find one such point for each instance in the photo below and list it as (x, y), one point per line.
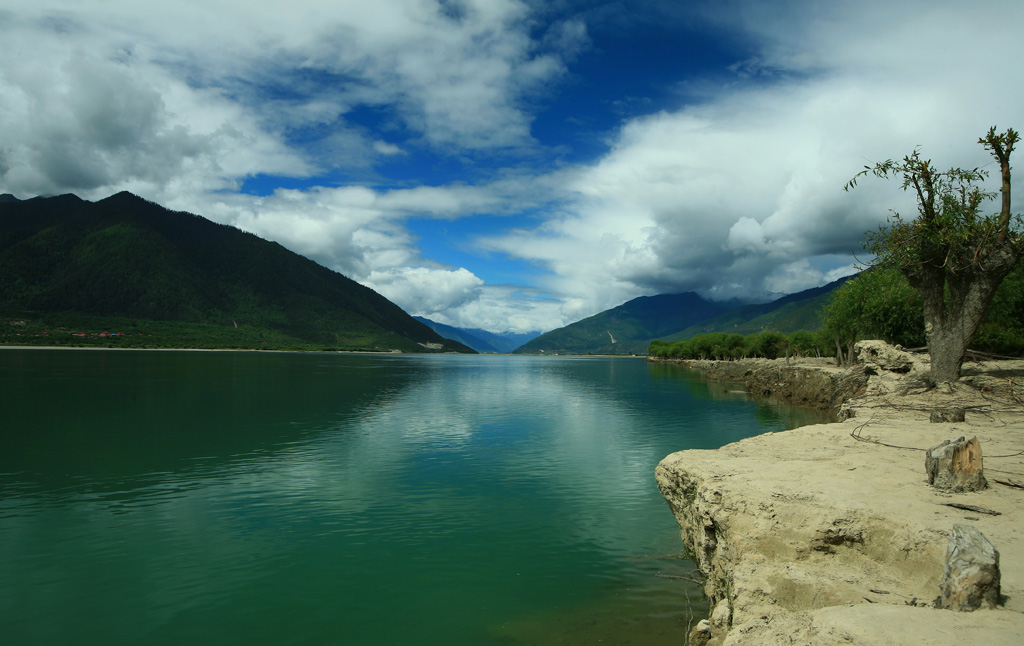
(814, 536)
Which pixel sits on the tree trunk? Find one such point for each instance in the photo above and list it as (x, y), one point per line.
(947, 345)
(950, 324)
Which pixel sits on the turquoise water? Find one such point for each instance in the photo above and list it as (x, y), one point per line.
(259, 498)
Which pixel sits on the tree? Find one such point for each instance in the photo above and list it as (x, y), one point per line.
(951, 253)
(876, 304)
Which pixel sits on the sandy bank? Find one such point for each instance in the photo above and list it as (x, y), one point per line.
(814, 536)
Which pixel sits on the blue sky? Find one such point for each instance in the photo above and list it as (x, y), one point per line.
(512, 165)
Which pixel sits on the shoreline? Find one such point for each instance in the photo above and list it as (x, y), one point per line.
(369, 352)
(830, 533)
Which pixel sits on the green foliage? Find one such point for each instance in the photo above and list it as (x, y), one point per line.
(769, 344)
(880, 304)
(1002, 330)
(950, 233)
(951, 253)
(876, 304)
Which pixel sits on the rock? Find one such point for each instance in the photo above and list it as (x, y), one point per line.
(971, 575)
(955, 466)
(884, 356)
(720, 616)
(947, 415)
(701, 633)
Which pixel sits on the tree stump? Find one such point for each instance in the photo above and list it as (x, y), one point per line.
(971, 576)
(955, 466)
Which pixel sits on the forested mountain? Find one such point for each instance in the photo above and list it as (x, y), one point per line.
(799, 311)
(630, 327)
(130, 259)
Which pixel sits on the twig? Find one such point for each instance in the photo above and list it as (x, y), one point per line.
(1008, 455)
(974, 508)
(678, 577)
(855, 434)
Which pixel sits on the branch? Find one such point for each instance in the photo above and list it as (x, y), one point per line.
(1001, 146)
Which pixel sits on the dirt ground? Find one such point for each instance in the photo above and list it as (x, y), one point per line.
(831, 534)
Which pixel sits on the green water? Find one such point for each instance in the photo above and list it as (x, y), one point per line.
(259, 498)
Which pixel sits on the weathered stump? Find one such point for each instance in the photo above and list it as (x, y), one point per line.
(971, 576)
(956, 466)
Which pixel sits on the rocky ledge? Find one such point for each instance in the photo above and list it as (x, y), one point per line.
(831, 533)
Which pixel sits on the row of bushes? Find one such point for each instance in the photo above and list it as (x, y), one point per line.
(877, 304)
(768, 345)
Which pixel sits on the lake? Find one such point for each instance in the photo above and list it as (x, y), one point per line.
(166, 497)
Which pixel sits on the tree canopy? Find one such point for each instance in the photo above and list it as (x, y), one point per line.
(951, 253)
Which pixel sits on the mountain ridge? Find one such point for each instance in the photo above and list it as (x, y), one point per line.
(629, 328)
(124, 256)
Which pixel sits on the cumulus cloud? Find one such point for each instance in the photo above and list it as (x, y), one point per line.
(740, 195)
(173, 96)
(426, 291)
(735, 191)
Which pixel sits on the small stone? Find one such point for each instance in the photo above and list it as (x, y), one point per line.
(955, 466)
(971, 577)
(701, 633)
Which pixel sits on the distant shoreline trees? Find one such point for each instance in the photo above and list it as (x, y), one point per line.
(876, 304)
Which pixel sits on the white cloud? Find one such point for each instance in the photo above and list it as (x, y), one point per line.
(385, 148)
(425, 291)
(177, 96)
(741, 195)
(737, 195)
(746, 235)
(506, 308)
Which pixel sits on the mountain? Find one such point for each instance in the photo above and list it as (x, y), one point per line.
(628, 328)
(128, 258)
(799, 311)
(458, 334)
(506, 341)
(480, 340)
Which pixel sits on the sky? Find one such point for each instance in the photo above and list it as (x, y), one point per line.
(513, 165)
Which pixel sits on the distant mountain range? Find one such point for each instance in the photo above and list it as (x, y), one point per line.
(480, 340)
(126, 257)
(630, 327)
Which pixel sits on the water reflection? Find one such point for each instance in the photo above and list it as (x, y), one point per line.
(315, 498)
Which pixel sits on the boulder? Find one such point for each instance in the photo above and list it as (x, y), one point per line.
(701, 633)
(884, 356)
(721, 616)
(956, 466)
(971, 575)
